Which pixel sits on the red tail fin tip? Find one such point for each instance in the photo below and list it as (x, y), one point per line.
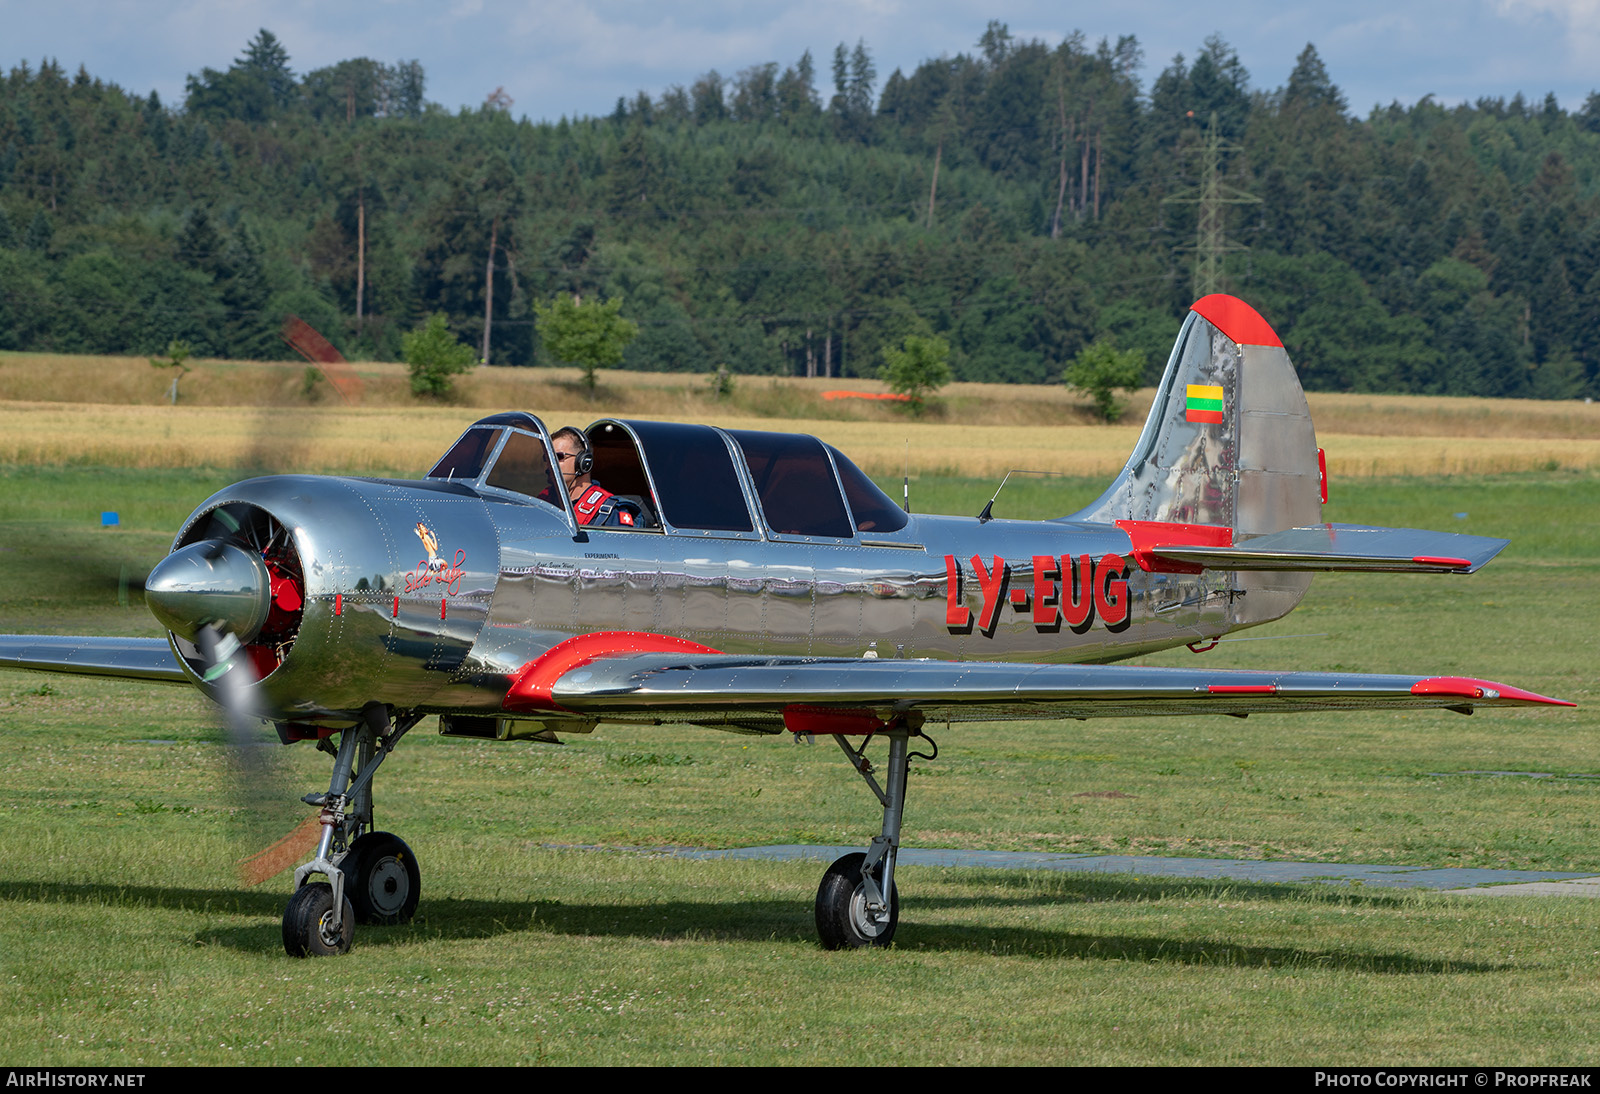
(1236, 319)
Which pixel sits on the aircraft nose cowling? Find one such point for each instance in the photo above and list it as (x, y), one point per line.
(210, 582)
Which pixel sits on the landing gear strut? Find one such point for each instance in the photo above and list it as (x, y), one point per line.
(857, 902)
(372, 876)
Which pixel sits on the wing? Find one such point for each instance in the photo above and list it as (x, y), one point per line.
(127, 658)
(860, 695)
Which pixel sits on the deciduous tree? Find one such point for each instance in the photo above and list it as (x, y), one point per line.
(590, 334)
(434, 357)
(916, 369)
(1099, 371)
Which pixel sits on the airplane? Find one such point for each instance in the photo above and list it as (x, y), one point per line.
(771, 588)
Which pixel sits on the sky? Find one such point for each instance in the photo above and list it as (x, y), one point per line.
(576, 57)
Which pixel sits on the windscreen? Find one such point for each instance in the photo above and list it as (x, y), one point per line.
(873, 510)
(465, 459)
(524, 466)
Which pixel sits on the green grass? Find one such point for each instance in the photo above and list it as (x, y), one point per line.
(125, 939)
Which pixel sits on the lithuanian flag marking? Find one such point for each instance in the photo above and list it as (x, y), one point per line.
(1204, 404)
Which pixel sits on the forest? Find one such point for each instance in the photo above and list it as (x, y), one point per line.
(1020, 200)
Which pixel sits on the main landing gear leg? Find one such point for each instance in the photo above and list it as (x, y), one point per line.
(372, 876)
(857, 902)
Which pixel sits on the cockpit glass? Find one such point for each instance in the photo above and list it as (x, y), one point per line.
(464, 461)
(795, 483)
(874, 511)
(696, 485)
(524, 467)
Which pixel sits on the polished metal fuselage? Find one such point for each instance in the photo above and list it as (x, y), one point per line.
(388, 619)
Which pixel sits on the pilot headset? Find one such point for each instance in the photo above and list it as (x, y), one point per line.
(583, 462)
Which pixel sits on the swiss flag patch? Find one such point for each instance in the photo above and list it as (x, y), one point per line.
(624, 517)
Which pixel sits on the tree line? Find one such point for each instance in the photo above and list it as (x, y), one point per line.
(1012, 200)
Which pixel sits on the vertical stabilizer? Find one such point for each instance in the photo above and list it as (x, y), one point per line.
(1228, 442)
(1229, 439)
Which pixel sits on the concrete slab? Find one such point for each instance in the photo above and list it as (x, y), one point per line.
(1465, 880)
(1585, 886)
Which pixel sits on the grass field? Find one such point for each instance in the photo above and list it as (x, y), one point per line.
(125, 937)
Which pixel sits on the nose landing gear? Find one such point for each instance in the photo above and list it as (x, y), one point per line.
(372, 876)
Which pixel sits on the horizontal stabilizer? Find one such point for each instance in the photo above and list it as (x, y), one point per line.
(1329, 547)
(126, 658)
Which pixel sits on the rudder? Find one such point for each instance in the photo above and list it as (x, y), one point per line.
(1229, 439)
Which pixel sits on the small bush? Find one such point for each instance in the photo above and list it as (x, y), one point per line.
(918, 368)
(434, 357)
(1099, 371)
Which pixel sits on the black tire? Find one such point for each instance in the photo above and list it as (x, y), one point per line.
(307, 923)
(842, 920)
(382, 880)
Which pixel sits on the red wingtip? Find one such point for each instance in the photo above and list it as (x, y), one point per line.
(1236, 319)
(1438, 560)
(1468, 688)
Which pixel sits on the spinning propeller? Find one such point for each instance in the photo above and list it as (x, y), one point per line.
(233, 598)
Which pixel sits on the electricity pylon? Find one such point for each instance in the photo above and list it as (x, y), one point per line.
(1211, 240)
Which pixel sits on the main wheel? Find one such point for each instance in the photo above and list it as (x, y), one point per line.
(308, 929)
(843, 921)
(381, 879)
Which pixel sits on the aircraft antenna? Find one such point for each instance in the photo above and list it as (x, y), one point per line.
(987, 515)
(906, 470)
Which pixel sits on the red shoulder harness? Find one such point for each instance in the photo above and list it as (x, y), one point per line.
(588, 506)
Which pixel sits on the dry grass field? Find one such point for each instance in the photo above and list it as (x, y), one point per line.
(112, 412)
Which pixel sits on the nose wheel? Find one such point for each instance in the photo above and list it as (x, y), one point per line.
(310, 929)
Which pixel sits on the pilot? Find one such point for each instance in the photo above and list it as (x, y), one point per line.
(593, 503)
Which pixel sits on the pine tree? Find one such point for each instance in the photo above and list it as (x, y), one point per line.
(1309, 87)
(40, 233)
(797, 90)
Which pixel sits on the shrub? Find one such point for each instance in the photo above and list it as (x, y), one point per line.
(434, 357)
